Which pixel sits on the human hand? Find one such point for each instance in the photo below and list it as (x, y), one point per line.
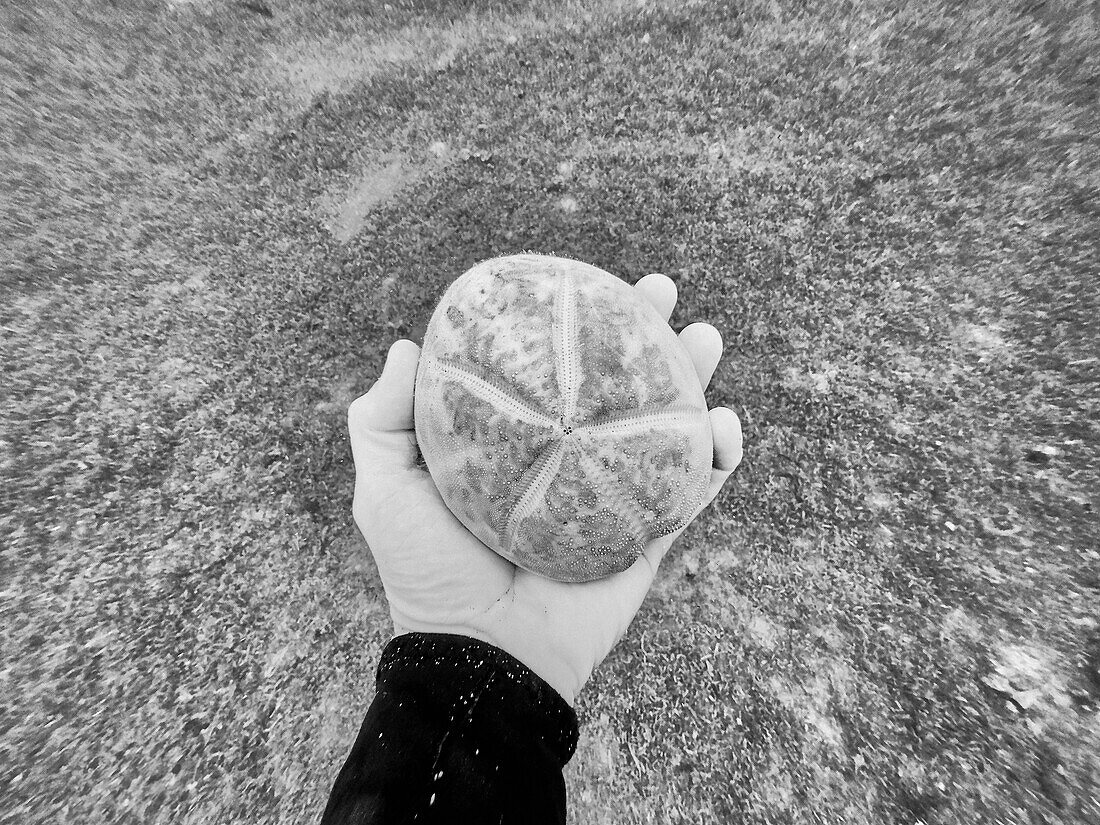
(439, 578)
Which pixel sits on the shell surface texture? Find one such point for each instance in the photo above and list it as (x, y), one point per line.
(559, 415)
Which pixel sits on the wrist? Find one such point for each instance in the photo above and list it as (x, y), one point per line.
(557, 676)
(547, 667)
(540, 657)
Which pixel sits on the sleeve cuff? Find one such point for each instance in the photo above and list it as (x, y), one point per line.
(472, 674)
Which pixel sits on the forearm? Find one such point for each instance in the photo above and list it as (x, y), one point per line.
(459, 731)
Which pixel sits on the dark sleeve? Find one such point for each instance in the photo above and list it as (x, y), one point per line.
(459, 732)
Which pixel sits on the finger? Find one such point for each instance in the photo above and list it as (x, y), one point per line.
(380, 422)
(660, 291)
(388, 404)
(726, 434)
(728, 440)
(704, 344)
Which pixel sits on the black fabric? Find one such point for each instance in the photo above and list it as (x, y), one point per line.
(459, 732)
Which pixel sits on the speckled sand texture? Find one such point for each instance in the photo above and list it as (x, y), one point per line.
(560, 416)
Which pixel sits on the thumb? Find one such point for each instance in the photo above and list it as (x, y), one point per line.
(380, 423)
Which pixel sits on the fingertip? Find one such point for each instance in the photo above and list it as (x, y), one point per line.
(703, 343)
(706, 335)
(660, 291)
(728, 439)
(402, 355)
(388, 404)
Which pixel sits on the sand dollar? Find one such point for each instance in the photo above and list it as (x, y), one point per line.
(560, 416)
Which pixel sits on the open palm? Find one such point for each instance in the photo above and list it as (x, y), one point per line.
(439, 578)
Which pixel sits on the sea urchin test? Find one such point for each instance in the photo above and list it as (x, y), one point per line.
(560, 416)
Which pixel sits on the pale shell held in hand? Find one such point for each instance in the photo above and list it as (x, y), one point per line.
(560, 416)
